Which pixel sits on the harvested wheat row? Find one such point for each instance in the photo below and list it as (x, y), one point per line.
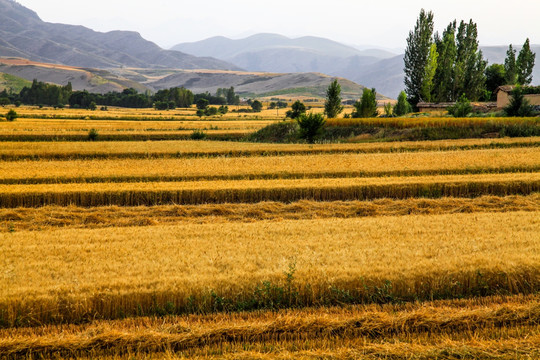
(51, 217)
(272, 167)
(11, 151)
(442, 319)
(253, 191)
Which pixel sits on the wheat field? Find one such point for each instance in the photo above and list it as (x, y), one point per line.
(233, 250)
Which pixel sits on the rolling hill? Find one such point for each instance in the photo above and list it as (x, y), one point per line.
(93, 80)
(256, 84)
(23, 34)
(17, 72)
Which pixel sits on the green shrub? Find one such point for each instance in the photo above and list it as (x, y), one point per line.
(462, 108)
(311, 126)
(11, 115)
(519, 106)
(198, 135)
(93, 135)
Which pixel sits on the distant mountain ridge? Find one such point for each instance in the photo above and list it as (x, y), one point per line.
(224, 48)
(23, 34)
(276, 53)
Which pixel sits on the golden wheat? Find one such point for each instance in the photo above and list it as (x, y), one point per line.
(27, 126)
(250, 191)
(337, 165)
(70, 275)
(144, 149)
(403, 123)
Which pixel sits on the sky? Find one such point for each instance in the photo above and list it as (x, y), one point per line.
(379, 23)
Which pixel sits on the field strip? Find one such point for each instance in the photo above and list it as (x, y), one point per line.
(70, 275)
(31, 125)
(252, 191)
(10, 151)
(215, 135)
(425, 122)
(455, 320)
(272, 167)
(51, 217)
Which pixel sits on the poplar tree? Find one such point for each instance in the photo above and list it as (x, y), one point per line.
(525, 64)
(416, 55)
(444, 80)
(510, 66)
(431, 68)
(470, 66)
(333, 107)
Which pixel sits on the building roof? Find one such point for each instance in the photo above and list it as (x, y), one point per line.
(442, 105)
(505, 88)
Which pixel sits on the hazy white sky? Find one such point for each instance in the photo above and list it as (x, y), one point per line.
(384, 23)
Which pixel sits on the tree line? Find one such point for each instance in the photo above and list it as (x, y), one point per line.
(444, 67)
(44, 94)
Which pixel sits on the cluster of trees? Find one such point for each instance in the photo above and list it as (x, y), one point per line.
(204, 110)
(222, 97)
(514, 71)
(173, 98)
(278, 105)
(443, 67)
(40, 93)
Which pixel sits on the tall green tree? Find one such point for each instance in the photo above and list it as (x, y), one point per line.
(416, 55)
(510, 66)
(495, 77)
(525, 64)
(470, 66)
(431, 68)
(367, 106)
(444, 76)
(332, 106)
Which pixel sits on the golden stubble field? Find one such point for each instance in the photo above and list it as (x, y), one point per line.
(230, 250)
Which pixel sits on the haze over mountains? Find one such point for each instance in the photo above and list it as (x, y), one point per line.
(23, 34)
(277, 53)
(380, 69)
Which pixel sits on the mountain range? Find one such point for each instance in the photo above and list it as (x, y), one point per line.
(114, 60)
(23, 34)
(376, 68)
(277, 53)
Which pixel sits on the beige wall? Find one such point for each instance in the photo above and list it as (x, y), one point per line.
(503, 99)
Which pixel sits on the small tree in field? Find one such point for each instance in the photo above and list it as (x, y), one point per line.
(311, 126)
(257, 106)
(367, 106)
(298, 108)
(333, 107)
(402, 107)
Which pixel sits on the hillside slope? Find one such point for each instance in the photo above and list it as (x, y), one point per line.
(93, 80)
(24, 34)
